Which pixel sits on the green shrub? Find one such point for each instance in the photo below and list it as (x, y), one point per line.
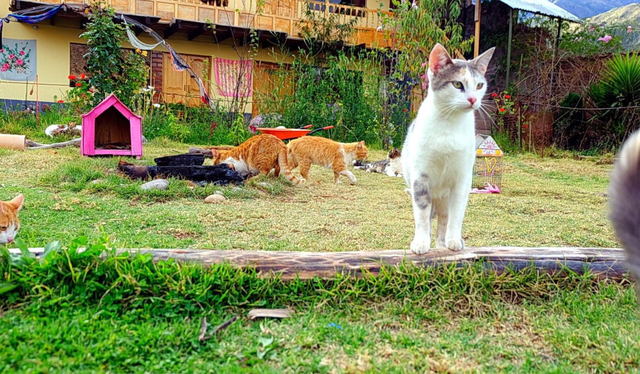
(618, 89)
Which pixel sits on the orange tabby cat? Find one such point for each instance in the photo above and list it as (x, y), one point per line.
(9, 222)
(317, 150)
(258, 155)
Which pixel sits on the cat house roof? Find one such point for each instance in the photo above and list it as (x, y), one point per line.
(486, 146)
(108, 102)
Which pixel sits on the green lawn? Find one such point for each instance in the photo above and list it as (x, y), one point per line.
(545, 202)
(74, 314)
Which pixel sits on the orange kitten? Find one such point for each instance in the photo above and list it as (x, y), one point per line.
(258, 155)
(317, 150)
(9, 222)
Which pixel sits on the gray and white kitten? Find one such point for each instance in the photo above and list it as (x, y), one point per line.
(624, 202)
(439, 151)
(392, 166)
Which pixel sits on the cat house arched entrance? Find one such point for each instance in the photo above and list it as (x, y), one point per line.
(111, 129)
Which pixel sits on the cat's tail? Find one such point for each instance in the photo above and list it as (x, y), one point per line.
(624, 201)
(284, 167)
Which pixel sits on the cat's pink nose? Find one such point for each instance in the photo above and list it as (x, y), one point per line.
(9, 240)
(472, 100)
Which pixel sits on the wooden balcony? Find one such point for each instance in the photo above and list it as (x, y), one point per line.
(277, 15)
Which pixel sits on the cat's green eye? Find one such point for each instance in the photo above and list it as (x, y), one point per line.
(479, 86)
(457, 84)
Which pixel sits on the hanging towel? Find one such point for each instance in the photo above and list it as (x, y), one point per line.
(137, 43)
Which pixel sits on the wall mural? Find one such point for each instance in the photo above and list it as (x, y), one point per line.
(18, 60)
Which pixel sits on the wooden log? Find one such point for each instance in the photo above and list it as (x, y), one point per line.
(602, 262)
(208, 152)
(201, 151)
(34, 145)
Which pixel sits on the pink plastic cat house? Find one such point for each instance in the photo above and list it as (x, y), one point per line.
(111, 129)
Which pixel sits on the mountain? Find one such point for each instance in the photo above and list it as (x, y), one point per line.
(620, 18)
(589, 8)
(626, 15)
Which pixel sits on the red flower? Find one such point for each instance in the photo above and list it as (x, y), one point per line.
(405, 110)
(60, 101)
(78, 84)
(71, 77)
(507, 97)
(525, 126)
(494, 95)
(82, 76)
(502, 110)
(253, 128)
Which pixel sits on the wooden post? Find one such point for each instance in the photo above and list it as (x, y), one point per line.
(476, 18)
(555, 54)
(510, 40)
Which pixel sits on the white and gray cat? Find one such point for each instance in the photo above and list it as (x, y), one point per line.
(392, 166)
(624, 202)
(439, 151)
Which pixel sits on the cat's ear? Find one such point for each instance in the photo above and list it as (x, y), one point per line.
(439, 58)
(482, 62)
(17, 202)
(360, 144)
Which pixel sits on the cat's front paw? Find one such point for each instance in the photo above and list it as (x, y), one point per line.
(420, 247)
(455, 244)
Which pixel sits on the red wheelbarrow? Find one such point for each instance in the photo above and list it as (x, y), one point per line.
(284, 133)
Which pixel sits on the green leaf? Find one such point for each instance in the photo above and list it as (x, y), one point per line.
(6, 287)
(265, 342)
(54, 246)
(24, 249)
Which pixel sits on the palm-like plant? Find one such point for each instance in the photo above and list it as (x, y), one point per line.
(618, 89)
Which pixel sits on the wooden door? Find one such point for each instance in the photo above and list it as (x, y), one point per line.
(270, 86)
(198, 64)
(178, 86)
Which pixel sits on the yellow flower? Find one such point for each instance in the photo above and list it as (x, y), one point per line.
(144, 53)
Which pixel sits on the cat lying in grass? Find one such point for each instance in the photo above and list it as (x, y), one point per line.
(9, 222)
(392, 166)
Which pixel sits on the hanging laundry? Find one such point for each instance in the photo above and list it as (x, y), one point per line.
(233, 77)
(137, 43)
(31, 15)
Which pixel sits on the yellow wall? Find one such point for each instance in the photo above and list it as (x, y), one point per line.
(52, 58)
(52, 43)
(53, 55)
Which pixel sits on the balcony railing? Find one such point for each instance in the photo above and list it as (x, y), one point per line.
(276, 15)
